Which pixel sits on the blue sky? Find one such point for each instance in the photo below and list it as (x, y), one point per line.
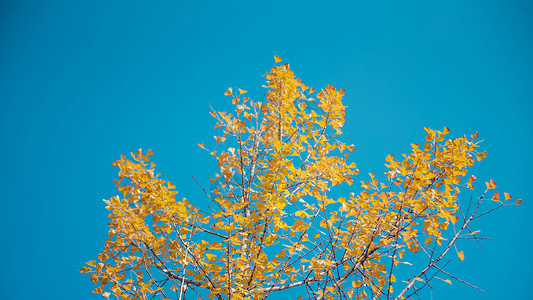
(82, 82)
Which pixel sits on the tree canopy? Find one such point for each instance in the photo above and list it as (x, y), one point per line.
(272, 224)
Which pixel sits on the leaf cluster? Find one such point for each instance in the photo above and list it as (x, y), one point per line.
(272, 224)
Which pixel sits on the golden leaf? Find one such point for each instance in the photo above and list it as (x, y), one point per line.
(481, 156)
(491, 184)
(454, 219)
(210, 257)
(103, 257)
(401, 253)
(496, 197)
(228, 92)
(277, 58)
(461, 255)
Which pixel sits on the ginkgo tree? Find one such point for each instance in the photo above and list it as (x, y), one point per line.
(272, 225)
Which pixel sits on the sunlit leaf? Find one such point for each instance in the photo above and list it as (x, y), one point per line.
(496, 197)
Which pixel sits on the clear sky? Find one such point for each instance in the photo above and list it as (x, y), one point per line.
(82, 82)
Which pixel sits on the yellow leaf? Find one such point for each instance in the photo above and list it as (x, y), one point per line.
(277, 58)
(103, 257)
(242, 91)
(471, 180)
(481, 155)
(461, 255)
(210, 257)
(201, 145)
(220, 139)
(453, 219)
(228, 92)
(190, 272)
(491, 184)
(518, 202)
(277, 145)
(401, 252)
(448, 281)
(507, 196)
(496, 197)
(342, 147)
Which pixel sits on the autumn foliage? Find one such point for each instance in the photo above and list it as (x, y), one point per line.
(272, 224)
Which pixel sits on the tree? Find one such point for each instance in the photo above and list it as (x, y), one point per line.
(272, 224)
